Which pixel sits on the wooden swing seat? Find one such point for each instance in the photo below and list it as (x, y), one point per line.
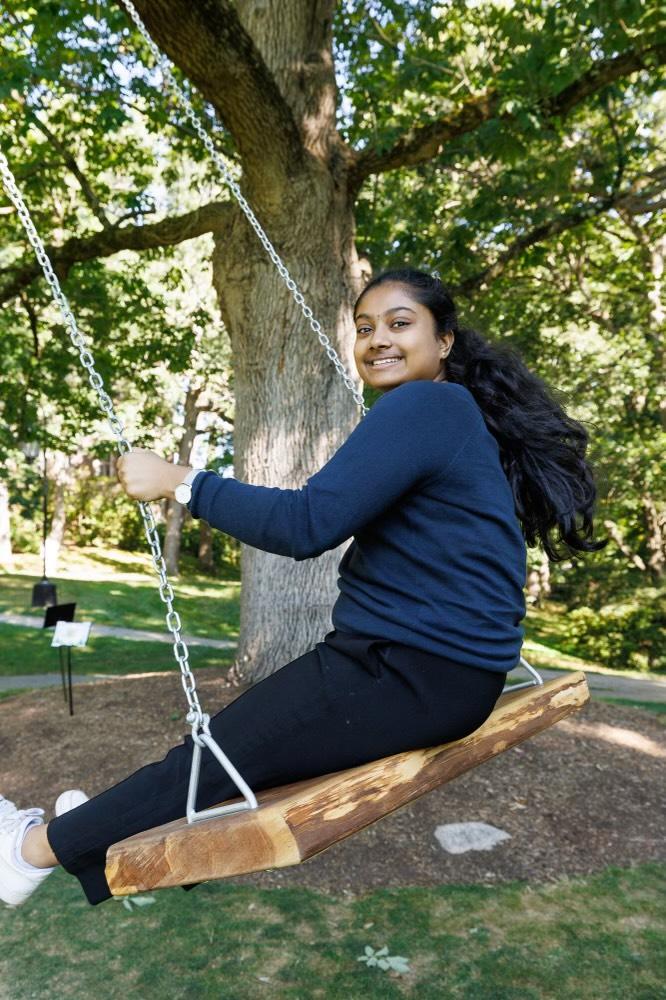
(297, 821)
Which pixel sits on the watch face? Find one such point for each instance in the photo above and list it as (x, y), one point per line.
(183, 493)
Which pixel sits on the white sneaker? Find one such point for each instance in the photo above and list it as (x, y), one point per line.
(70, 800)
(18, 879)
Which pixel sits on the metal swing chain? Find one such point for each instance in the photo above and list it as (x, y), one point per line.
(192, 116)
(196, 717)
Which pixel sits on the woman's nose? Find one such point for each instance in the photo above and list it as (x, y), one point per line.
(380, 337)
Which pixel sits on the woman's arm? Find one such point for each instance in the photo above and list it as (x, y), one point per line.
(410, 434)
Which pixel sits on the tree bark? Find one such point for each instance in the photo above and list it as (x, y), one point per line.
(175, 512)
(59, 469)
(205, 556)
(290, 415)
(6, 554)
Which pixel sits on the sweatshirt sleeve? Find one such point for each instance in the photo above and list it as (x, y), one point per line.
(401, 441)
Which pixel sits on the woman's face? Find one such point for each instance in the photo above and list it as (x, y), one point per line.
(396, 339)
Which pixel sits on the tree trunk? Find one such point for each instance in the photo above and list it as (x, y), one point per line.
(205, 547)
(59, 469)
(175, 512)
(292, 409)
(6, 554)
(290, 417)
(655, 520)
(658, 314)
(538, 582)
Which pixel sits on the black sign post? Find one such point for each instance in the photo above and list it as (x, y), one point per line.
(63, 613)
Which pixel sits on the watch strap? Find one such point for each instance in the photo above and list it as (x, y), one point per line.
(191, 476)
(183, 491)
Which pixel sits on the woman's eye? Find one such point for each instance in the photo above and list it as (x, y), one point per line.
(402, 322)
(362, 330)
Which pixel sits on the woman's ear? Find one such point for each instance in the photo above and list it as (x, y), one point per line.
(447, 344)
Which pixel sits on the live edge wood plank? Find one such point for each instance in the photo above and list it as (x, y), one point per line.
(297, 821)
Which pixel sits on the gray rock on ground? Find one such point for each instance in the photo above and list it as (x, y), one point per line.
(457, 838)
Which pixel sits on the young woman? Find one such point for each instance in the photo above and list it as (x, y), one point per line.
(463, 459)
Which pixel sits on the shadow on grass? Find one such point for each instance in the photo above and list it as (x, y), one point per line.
(25, 651)
(658, 707)
(209, 610)
(591, 937)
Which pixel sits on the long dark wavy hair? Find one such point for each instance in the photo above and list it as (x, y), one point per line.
(542, 450)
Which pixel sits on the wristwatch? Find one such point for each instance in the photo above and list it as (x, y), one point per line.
(183, 492)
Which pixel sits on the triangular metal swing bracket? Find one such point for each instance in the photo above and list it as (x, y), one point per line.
(536, 682)
(202, 739)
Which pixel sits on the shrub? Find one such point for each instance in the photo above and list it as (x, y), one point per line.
(100, 513)
(226, 550)
(622, 635)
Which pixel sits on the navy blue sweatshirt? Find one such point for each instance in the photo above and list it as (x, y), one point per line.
(437, 561)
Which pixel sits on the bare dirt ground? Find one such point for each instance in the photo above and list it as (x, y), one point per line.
(588, 793)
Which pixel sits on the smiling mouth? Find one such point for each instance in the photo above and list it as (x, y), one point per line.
(383, 362)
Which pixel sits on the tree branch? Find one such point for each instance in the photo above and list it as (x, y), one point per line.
(32, 319)
(212, 218)
(634, 558)
(423, 142)
(88, 193)
(207, 41)
(638, 202)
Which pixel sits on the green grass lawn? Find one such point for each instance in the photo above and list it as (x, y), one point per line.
(28, 651)
(584, 938)
(120, 588)
(114, 587)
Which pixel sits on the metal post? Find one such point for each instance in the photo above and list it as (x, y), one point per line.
(44, 593)
(45, 510)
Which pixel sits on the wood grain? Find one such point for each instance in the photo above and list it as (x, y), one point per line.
(297, 821)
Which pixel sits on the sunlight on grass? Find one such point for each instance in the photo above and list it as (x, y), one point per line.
(545, 646)
(110, 588)
(93, 563)
(25, 651)
(113, 587)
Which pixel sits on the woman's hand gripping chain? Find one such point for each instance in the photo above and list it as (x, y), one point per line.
(145, 476)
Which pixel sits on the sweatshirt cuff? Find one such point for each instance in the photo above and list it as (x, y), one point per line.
(195, 501)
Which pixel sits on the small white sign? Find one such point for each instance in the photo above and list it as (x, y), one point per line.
(71, 633)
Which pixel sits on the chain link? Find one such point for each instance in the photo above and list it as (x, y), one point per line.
(186, 105)
(196, 717)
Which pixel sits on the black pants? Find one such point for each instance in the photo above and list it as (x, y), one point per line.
(349, 700)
